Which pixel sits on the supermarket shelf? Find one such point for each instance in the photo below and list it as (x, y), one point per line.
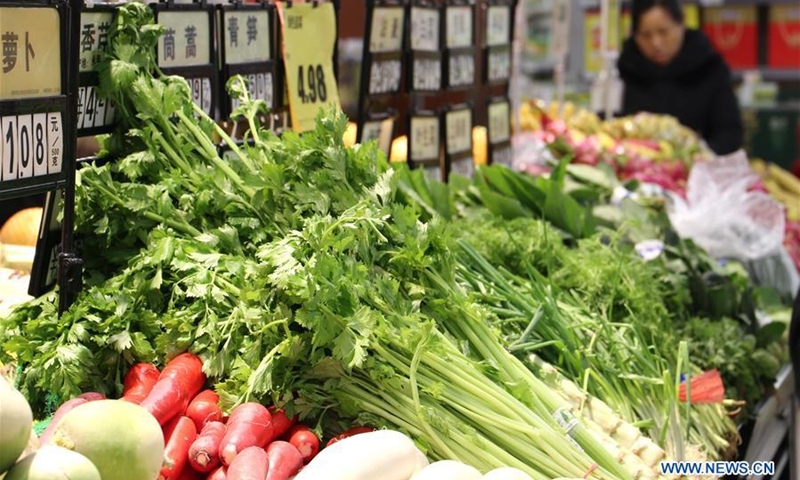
(771, 74)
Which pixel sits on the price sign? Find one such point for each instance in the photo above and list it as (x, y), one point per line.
(387, 29)
(423, 139)
(32, 145)
(95, 113)
(187, 49)
(458, 130)
(385, 76)
(381, 131)
(498, 64)
(461, 69)
(31, 56)
(458, 26)
(426, 72)
(309, 39)
(425, 29)
(498, 25)
(433, 171)
(499, 130)
(247, 44)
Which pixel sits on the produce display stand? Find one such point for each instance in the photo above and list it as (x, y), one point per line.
(38, 93)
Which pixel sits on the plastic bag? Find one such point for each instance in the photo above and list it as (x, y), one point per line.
(723, 216)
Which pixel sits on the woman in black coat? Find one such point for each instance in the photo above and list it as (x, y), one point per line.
(669, 69)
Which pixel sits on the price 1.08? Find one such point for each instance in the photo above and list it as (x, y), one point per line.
(31, 145)
(311, 87)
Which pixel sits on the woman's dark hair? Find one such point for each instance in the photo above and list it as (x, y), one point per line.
(639, 7)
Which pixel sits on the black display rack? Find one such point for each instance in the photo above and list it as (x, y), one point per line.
(498, 35)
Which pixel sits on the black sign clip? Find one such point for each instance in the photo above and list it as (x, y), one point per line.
(70, 267)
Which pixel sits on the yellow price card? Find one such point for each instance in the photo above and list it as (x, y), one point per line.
(309, 38)
(31, 56)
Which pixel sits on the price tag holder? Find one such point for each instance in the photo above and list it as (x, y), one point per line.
(33, 104)
(380, 128)
(425, 45)
(459, 28)
(424, 143)
(248, 47)
(384, 59)
(499, 132)
(187, 49)
(457, 122)
(309, 42)
(96, 115)
(498, 35)
(44, 273)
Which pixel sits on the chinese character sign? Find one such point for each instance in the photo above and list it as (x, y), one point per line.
(31, 53)
(93, 39)
(186, 39)
(253, 45)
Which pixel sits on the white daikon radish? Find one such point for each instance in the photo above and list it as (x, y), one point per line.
(422, 461)
(380, 455)
(448, 470)
(507, 473)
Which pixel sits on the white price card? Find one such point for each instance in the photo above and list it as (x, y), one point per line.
(458, 130)
(461, 69)
(499, 122)
(93, 39)
(260, 87)
(434, 171)
(93, 110)
(31, 57)
(186, 41)
(498, 25)
(387, 29)
(31, 145)
(427, 74)
(503, 156)
(385, 76)
(498, 66)
(380, 131)
(424, 139)
(247, 36)
(458, 21)
(424, 29)
(463, 166)
(201, 93)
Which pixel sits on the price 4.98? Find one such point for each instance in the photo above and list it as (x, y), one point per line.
(311, 86)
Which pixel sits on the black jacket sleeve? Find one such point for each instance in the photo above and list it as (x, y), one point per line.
(725, 131)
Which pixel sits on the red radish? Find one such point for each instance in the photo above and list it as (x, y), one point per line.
(218, 474)
(204, 452)
(176, 451)
(189, 474)
(281, 424)
(284, 460)
(204, 408)
(250, 425)
(169, 427)
(305, 441)
(139, 381)
(47, 435)
(91, 396)
(349, 433)
(252, 463)
(180, 381)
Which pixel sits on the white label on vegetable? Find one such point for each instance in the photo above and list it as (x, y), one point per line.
(434, 172)
(259, 87)
(499, 64)
(387, 29)
(461, 69)
(503, 155)
(25, 143)
(649, 249)
(424, 29)
(247, 37)
(498, 25)
(55, 143)
(186, 40)
(427, 74)
(458, 129)
(10, 148)
(93, 38)
(499, 122)
(39, 138)
(463, 166)
(384, 76)
(459, 26)
(424, 139)
(380, 130)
